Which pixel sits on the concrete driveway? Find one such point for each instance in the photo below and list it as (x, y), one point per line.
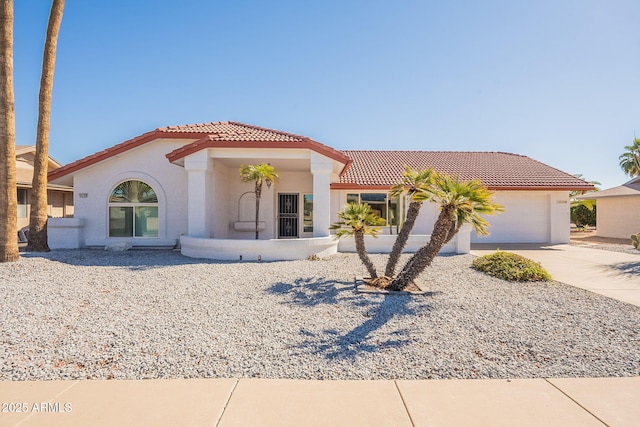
(613, 274)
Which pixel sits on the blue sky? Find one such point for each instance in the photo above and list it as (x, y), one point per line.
(556, 80)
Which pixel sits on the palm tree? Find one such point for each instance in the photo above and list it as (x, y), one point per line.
(630, 160)
(8, 194)
(37, 240)
(357, 220)
(589, 204)
(460, 203)
(417, 187)
(259, 174)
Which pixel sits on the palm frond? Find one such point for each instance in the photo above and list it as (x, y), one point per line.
(357, 217)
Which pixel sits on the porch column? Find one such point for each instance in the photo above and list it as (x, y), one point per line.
(321, 169)
(198, 167)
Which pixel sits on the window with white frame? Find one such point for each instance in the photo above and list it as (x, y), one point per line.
(22, 202)
(307, 209)
(380, 203)
(133, 210)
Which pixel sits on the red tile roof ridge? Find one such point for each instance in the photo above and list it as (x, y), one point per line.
(205, 129)
(177, 127)
(292, 135)
(436, 151)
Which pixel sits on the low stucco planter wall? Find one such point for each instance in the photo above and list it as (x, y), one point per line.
(460, 244)
(254, 250)
(64, 233)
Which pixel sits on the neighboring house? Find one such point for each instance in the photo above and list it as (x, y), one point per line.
(181, 185)
(617, 210)
(59, 197)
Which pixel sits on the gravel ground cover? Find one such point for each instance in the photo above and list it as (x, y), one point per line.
(157, 314)
(588, 239)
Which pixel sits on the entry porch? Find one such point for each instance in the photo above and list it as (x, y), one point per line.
(294, 212)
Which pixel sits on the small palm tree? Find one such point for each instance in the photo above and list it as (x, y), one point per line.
(259, 174)
(416, 185)
(357, 220)
(630, 160)
(460, 203)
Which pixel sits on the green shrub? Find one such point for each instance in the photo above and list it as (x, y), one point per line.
(635, 240)
(582, 216)
(512, 267)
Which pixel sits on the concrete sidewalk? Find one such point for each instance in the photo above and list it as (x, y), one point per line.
(262, 402)
(613, 274)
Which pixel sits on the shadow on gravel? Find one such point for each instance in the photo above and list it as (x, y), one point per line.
(137, 259)
(377, 309)
(315, 291)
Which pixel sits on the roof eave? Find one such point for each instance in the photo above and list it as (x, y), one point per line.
(118, 149)
(211, 142)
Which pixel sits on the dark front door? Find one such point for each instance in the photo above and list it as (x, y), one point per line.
(287, 215)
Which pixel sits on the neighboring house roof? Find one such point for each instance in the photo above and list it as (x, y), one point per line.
(28, 152)
(215, 134)
(498, 171)
(24, 168)
(363, 169)
(630, 188)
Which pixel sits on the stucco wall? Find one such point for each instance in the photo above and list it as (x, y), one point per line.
(223, 207)
(618, 217)
(244, 210)
(93, 185)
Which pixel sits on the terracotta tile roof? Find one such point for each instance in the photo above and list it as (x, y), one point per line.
(379, 169)
(234, 131)
(206, 134)
(496, 170)
(233, 134)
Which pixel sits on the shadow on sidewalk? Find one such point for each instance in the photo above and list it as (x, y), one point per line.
(625, 269)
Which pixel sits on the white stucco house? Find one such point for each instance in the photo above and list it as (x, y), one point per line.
(617, 210)
(180, 186)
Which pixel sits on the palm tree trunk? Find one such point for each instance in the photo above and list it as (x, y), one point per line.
(362, 253)
(258, 195)
(441, 234)
(453, 230)
(38, 217)
(8, 193)
(401, 239)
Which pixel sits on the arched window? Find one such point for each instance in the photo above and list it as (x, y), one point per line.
(133, 210)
